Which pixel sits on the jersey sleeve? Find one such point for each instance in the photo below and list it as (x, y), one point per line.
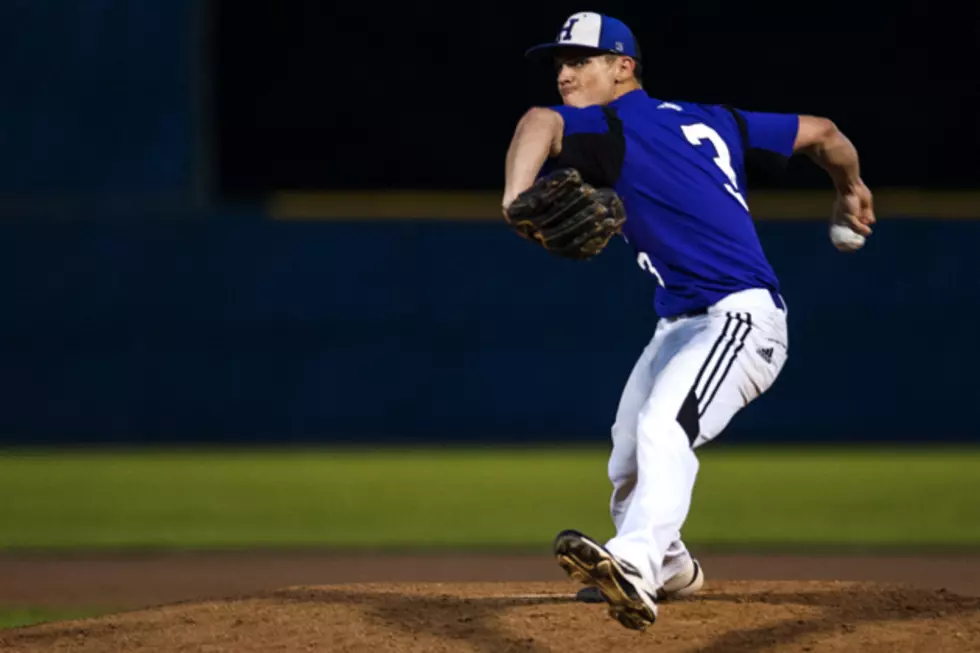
(772, 132)
(592, 143)
(589, 120)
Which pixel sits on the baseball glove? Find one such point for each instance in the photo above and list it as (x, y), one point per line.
(567, 216)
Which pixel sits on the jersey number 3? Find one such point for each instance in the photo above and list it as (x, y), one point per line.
(697, 134)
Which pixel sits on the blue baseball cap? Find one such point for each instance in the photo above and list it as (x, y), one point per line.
(592, 31)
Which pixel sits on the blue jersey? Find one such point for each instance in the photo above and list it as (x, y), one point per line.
(679, 168)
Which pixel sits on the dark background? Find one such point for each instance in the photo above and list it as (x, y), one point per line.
(151, 293)
(314, 94)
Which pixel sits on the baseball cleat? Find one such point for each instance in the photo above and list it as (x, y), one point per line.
(630, 600)
(679, 586)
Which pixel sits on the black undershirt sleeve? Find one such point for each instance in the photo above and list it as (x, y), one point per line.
(597, 156)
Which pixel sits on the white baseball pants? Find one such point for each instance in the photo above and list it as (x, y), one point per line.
(696, 373)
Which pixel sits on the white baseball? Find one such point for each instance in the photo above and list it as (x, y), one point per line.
(845, 239)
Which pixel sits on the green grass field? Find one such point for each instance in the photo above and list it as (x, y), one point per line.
(481, 498)
(15, 617)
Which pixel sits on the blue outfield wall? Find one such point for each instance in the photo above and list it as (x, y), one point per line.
(246, 329)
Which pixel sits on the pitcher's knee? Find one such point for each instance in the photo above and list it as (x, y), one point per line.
(622, 460)
(663, 432)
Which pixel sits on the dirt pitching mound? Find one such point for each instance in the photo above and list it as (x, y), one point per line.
(536, 617)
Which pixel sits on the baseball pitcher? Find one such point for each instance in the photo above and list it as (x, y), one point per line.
(669, 177)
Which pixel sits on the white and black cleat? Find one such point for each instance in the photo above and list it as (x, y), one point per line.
(679, 586)
(630, 600)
